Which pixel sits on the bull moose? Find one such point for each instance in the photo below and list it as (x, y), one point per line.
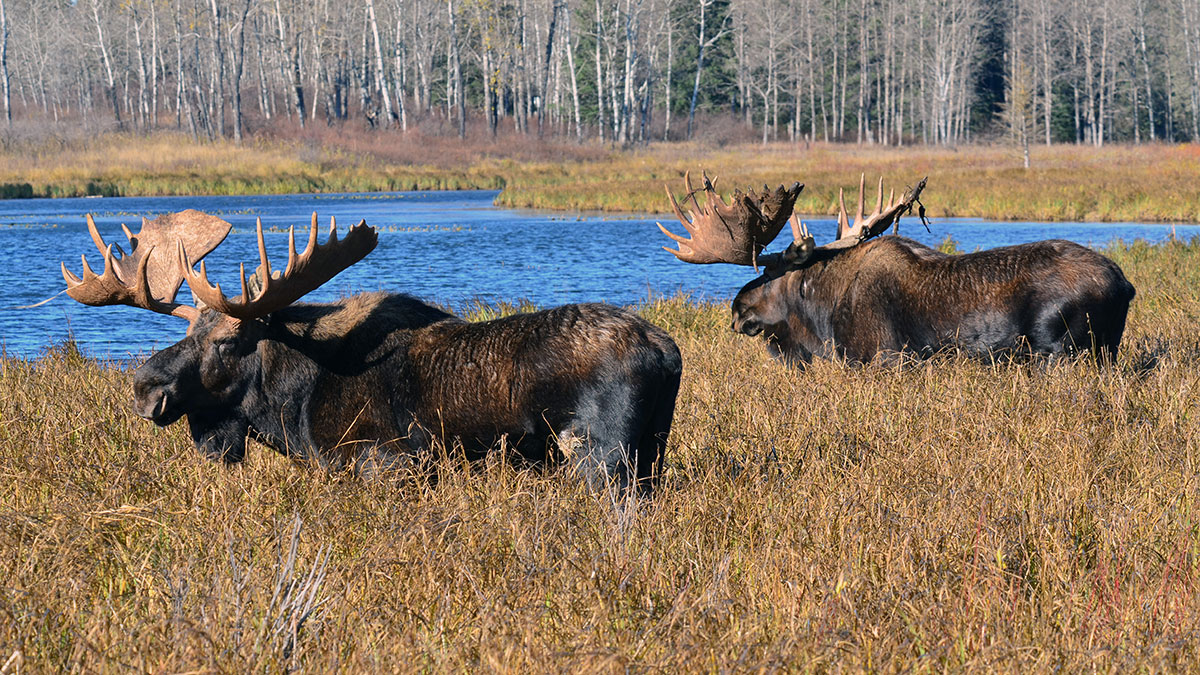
(859, 297)
(377, 380)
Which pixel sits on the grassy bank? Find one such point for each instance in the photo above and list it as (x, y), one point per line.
(1152, 183)
(1116, 183)
(167, 164)
(951, 514)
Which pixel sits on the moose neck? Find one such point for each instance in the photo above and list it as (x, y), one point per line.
(327, 378)
(797, 309)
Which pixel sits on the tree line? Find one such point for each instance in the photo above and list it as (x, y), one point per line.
(623, 71)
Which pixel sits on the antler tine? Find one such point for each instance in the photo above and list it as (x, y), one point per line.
(262, 255)
(710, 191)
(691, 192)
(304, 272)
(96, 238)
(798, 228)
(332, 231)
(687, 224)
(843, 222)
(308, 248)
(862, 190)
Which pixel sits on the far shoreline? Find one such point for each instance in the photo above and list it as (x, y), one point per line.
(1149, 183)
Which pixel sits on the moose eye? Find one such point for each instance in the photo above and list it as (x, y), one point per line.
(227, 347)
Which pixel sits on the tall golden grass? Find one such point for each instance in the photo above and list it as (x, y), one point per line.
(951, 514)
(1065, 182)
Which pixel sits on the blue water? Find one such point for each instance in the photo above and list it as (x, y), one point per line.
(450, 247)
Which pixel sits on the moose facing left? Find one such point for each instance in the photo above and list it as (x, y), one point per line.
(378, 380)
(861, 298)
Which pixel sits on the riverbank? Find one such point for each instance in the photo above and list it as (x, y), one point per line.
(952, 515)
(1148, 183)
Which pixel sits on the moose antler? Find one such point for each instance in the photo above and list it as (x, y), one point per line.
(149, 276)
(730, 233)
(305, 272)
(881, 218)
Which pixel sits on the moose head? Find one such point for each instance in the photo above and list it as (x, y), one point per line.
(737, 232)
(211, 370)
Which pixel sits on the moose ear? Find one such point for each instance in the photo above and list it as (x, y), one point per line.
(254, 285)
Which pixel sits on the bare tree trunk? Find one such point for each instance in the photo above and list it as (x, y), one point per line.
(401, 65)
(700, 43)
(108, 70)
(143, 113)
(178, 73)
(239, 62)
(541, 113)
(1140, 22)
(667, 82)
(1191, 32)
(1101, 103)
(155, 64)
(574, 81)
(460, 101)
(379, 71)
(1044, 25)
(862, 69)
(599, 75)
(631, 30)
(291, 53)
(4, 64)
(703, 44)
(219, 74)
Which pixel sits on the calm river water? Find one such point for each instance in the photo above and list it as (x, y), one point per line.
(450, 247)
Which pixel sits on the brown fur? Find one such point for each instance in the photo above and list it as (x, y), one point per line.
(892, 294)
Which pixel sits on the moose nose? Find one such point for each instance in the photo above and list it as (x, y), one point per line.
(747, 327)
(152, 405)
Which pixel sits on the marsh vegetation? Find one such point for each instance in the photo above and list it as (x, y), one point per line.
(1148, 183)
(943, 514)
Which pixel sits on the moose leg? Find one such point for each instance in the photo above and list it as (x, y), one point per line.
(593, 463)
(652, 445)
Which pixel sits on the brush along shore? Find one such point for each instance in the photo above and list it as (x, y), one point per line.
(1145, 183)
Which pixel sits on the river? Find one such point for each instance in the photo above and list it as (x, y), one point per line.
(450, 247)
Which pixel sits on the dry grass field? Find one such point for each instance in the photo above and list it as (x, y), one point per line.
(945, 515)
(1065, 182)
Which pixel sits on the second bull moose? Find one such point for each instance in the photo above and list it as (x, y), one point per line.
(377, 379)
(859, 297)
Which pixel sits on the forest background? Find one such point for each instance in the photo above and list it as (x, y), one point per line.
(623, 71)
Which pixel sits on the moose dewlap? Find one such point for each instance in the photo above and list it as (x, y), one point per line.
(379, 380)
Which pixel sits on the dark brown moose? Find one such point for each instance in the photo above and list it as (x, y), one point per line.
(859, 297)
(378, 380)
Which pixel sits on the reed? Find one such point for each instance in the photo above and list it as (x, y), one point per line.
(950, 514)
(1065, 182)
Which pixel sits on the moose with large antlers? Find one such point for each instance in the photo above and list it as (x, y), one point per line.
(377, 380)
(859, 297)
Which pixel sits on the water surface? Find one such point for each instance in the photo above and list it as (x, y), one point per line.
(450, 247)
